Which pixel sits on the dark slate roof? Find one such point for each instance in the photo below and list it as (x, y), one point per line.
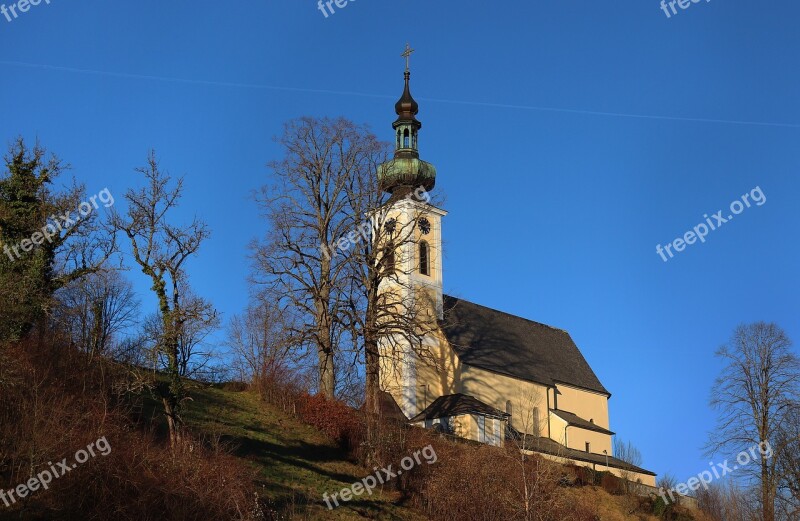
(454, 405)
(495, 341)
(576, 421)
(552, 447)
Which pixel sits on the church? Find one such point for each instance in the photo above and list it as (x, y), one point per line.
(489, 376)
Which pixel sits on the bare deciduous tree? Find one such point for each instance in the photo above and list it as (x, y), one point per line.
(341, 252)
(95, 309)
(262, 346)
(308, 213)
(198, 320)
(753, 393)
(532, 477)
(390, 312)
(161, 249)
(788, 462)
(628, 453)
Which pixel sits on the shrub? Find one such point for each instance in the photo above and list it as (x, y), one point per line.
(476, 481)
(58, 403)
(584, 476)
(612, 484)
(341, 423)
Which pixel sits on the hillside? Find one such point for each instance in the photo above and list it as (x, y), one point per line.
(296, 464)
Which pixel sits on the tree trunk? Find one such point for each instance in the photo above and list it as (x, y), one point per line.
(327, 375)
(372, 375)
(173, 424)
(173, 397)
(372, 400)
(767, 498)
(327, 368)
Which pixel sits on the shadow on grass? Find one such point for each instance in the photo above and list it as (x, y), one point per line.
(299, 454)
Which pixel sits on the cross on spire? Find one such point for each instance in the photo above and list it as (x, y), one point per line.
(407, 55)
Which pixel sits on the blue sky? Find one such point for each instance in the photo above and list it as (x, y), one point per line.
(649, 123)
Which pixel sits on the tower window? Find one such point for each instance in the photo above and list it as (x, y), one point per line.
(405, 139)
(389, 260)
(424, 258)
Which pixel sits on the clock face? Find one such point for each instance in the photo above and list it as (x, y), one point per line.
(390, 225)
(424, 226)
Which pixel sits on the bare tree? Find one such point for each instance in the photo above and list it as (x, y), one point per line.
(307, 210)
(726, 501)
(96, 309)
(628, 453)
(198, 320)
(788, 463)
(390, 313)
(532, 477)
(261, 344)
(760, 379)
(161, 250)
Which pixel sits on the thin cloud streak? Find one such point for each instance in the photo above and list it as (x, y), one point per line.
(384, 96)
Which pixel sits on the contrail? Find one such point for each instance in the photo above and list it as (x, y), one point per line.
(260, 86)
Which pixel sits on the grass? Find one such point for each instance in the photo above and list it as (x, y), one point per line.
(295, 463)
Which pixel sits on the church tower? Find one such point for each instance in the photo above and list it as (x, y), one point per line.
(418, 255)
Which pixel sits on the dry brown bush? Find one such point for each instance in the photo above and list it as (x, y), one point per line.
(57, 403)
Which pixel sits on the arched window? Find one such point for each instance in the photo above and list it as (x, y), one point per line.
(424, 258)
(509, 408)
(536, 429)
(389, 260)
(405, 139)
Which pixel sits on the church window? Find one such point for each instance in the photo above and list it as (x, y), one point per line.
(405, 139)
(424, 258)
(389, 260)
(536, 430)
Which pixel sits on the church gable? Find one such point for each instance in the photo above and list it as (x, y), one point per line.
(506, 344)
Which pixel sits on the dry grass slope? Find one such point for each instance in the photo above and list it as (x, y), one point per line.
(297, 464)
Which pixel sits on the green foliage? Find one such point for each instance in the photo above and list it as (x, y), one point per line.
(26, 281)
(660, 507)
